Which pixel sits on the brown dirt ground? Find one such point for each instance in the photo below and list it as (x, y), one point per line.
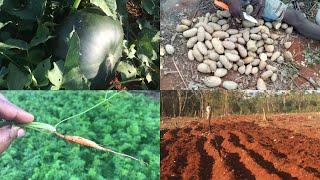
(294, 75)
(286, 146)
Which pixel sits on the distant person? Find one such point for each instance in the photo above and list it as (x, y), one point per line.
(208, 116)
(276, 10)
(10, 112)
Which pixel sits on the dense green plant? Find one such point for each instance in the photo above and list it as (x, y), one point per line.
(124, 124)
(28, 29)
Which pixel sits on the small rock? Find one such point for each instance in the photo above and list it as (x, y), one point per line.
(169, 49)
(162, 51)
(280, 60)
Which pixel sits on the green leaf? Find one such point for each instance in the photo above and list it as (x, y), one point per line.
(131, 51)
(128, 70)
(4, 24)
(74, 79)
(17, 79)
(30, 10)
(109, 7)
(73, 54)
(55, 75)
(149, 6)
(41, 72)
(42, 35)
(14, 44)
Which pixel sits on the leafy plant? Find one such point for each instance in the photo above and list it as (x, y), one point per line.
(28, 31)
(123, 124)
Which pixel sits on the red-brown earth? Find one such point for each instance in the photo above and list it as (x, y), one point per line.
(285, 146)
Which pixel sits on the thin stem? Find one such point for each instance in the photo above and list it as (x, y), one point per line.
(128, 81)
(83, 112)
(76, 5)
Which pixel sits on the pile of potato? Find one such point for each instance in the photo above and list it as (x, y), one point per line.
(248, 50)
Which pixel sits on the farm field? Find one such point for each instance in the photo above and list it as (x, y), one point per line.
(123, 124)
(285, 146)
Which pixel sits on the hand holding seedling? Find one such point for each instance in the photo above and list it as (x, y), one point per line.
(10, 112)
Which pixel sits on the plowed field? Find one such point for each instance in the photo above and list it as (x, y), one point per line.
(242, 148)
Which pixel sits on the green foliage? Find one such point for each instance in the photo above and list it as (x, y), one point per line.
(27, 31)
(128, 124)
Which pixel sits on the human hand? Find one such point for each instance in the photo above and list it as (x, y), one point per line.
(10, 112)
(258, 7)
(235, 9)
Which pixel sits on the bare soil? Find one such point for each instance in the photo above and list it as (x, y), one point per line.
(294, 75)
(285, 146)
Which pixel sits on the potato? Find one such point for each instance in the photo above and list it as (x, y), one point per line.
(261, 85)
(276, 25)
(255, 30)
(222, 22)
(255, 37)
(225, 62)
(232, 31)
(251, 46)
(242, 69)
(246, 35)
(288, 55)
(289, 30)
(169, 49)
(220, 72)
(271, 68)
(262, 65)
(181, 28)
(260, 43)
(192, 41)
(263, 57)
(207, 36)
(248, 60)
(212, 64)
(274, 77)
(230, 85)
(216, 27)
(212, 81)
(190, 55)
(280, 60)
(240, 63)
(260, 50)
(232, 39)
(201, 34)
(232, 57)
(287, 45)
(186, 22)
(267, 74)
(252, 54)
(275, 55)
(202, 48)
(217, 45)
(225, 27)
(255, 62)
(208, 44)
(228, 45)
(248, 69)
(213, 55)
(208, 28)
(235, 67)
(241, 41)
(269, 48)
(254, 70)
(269, 41)
(197, 55)
(242, 51)
(204, 68)
(190, 33)
(248, 24)
(220, 34)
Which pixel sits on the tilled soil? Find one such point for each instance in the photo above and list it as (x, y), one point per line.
(238, 150)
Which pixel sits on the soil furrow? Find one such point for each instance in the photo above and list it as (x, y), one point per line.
(249, 162)
(206, 161)
(193, 160)
(281, 166)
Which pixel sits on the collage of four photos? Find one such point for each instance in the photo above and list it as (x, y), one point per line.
(159, 89)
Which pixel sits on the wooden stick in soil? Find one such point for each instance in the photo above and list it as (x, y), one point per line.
(185, 85)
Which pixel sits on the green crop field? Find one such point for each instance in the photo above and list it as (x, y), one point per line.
(126, 123)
